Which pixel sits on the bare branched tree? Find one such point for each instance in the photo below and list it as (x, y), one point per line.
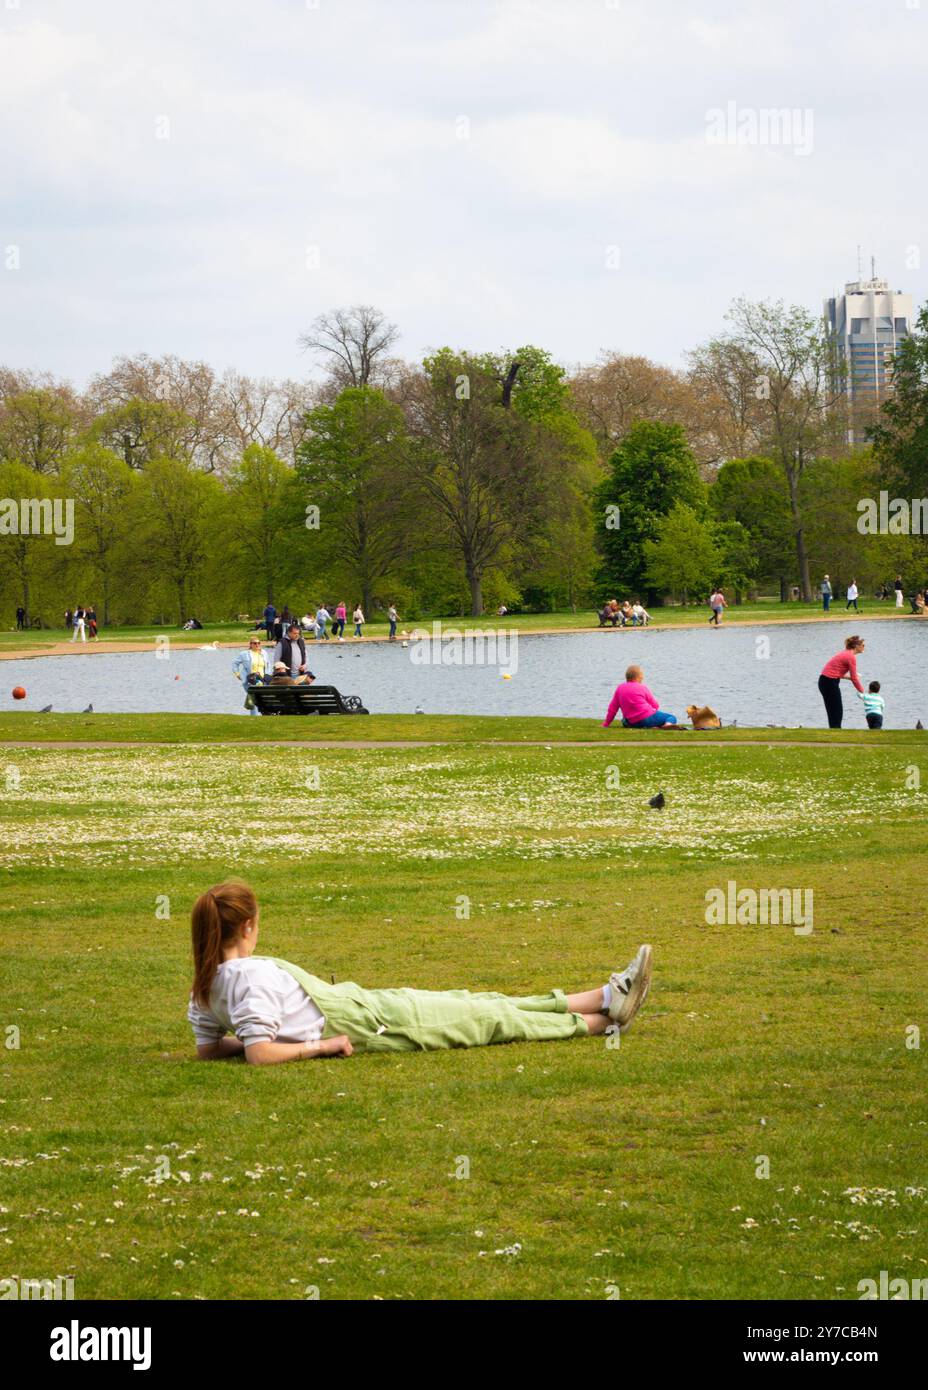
(352, 342)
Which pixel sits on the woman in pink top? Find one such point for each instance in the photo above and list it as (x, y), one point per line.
(639, 707)
(842, 666)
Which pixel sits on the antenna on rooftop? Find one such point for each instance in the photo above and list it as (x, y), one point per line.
(859, 270)
(873, 267)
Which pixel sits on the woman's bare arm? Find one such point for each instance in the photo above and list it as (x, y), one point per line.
(263, 1054)
(225, 1047)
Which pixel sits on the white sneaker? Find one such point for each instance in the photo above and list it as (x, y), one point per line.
(630, 988)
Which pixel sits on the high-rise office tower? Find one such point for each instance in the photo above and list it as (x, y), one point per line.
(866, 324)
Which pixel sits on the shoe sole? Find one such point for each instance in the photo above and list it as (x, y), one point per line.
(639, 992)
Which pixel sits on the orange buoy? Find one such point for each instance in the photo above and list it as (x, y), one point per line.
(18, 692)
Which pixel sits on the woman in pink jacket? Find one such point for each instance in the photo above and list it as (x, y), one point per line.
(842, 666)
(639, 708)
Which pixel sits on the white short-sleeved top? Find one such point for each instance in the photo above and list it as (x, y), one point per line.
(258, 1002)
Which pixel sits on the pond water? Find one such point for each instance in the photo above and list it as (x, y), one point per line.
(753, 675)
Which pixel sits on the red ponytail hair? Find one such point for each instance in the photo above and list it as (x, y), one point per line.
(218, 917)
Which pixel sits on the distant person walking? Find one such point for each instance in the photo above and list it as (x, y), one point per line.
(269, 614)
(78, 623)
(359, 621)
(322, 617)
(717, 604)
(20, 619)
(394, 618)
(842, 666)
(852, 592)
(899, 590)
(338, 626)
(827, 592)
(91, 616)
(68, 619)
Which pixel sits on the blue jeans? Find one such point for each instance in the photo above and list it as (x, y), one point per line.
(826, 601)
(654, 721)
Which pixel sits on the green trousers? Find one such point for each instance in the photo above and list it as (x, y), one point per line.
(411, 1020)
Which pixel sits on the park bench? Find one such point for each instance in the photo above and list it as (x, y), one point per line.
(304, 699)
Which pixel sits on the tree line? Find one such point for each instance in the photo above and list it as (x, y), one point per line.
(460, 482)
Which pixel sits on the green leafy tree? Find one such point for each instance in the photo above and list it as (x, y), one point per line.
(558, 565)
(562, 560)
(261, 523)
(652, 471)
(485, 467)
(101, 485)
(751, 491)
(529, 382)
(900, 436)
(737, 556)
(832, 489)
(139, 431)
(36, 428)
(353, 466)
(182, 523)
(27, 561)
(684, 557)
(798, 390)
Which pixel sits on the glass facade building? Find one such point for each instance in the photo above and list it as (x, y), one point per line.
(865, 325)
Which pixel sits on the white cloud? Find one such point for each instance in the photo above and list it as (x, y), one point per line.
(336, 127)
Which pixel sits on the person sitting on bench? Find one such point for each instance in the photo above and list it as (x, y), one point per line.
(607, 614)
(290, 659)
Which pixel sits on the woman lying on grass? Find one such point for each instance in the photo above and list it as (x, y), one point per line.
(279, 1013)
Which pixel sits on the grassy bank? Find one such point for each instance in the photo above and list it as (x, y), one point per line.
(764, 611)
(25, 727)
(548, 1171)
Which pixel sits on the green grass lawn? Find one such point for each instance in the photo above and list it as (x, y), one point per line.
(589, 1169)
(27, 726)
(765, 610)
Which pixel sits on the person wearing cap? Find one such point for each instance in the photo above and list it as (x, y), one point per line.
(290, 659)
(251, 669)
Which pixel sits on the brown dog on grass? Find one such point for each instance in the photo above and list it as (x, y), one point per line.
(702, 717)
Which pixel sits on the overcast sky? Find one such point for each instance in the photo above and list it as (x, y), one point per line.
(204, 177)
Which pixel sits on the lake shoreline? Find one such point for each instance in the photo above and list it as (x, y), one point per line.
(106, 645)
